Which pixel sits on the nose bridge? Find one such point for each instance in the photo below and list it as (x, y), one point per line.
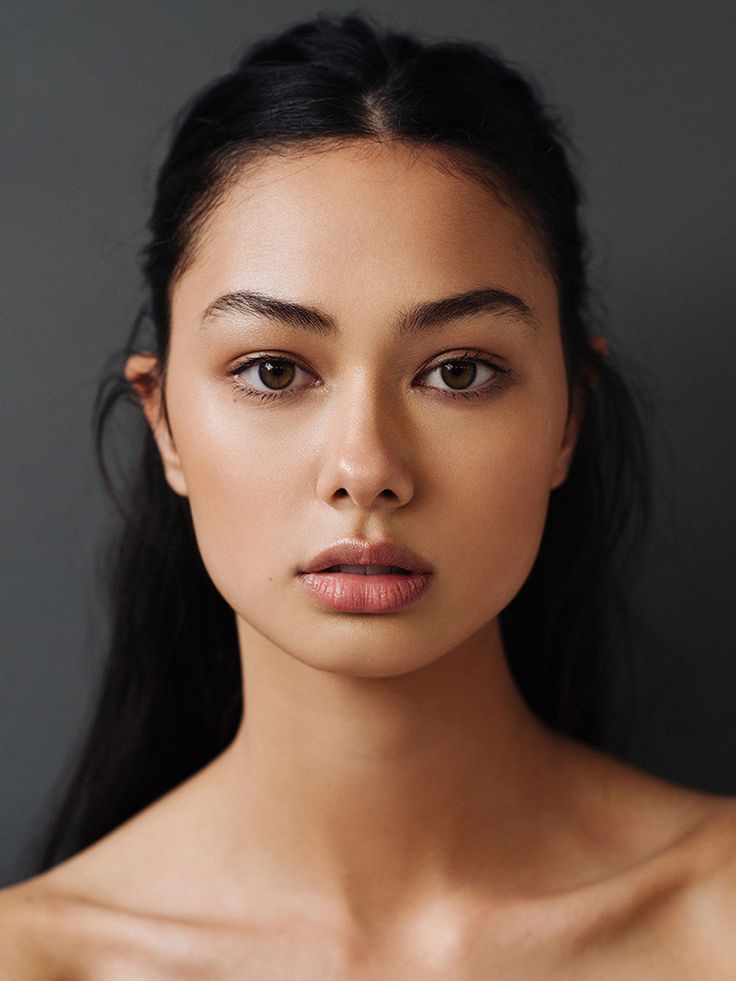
(365, 448)
(367, 403)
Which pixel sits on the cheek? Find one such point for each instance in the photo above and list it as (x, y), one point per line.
(239, 485)
(498, 498)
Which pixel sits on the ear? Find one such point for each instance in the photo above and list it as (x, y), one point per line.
(577, 413)
(144, 374)
(570, 439)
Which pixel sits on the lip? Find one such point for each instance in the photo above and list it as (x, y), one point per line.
(355, 551)
(356, 593)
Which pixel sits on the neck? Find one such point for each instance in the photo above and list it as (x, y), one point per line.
(375, 793)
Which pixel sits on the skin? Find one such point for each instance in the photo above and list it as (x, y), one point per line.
(390, 804)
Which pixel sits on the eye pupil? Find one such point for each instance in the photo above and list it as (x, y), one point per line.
(283, 372)
(458, 370)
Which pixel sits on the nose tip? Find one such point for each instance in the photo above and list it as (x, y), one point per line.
(366, 461)
(366, 488)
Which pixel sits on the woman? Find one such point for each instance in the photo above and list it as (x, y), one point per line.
(366, 585)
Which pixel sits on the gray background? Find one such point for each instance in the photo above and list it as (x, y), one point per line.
(88, 90)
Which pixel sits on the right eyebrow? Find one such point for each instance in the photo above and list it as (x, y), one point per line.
(421, 318)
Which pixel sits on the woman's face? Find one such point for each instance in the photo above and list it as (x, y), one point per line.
(361, 436)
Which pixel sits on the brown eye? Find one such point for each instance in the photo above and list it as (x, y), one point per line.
(275, 374)
(458, 374)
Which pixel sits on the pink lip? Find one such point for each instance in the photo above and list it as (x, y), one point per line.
(355, 551)
(358, 593)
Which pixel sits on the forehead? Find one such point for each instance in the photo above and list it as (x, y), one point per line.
(363, 219)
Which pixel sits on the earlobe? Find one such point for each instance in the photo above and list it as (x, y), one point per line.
(142, 371)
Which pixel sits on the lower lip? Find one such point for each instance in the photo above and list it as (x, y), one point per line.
(357, 593)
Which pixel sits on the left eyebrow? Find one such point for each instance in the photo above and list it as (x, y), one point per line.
(419, 318)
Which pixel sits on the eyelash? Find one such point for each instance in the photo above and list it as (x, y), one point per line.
(490, 389)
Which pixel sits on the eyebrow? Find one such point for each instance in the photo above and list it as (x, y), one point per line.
(417, 319)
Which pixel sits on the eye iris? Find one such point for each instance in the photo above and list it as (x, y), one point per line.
(459, 368)
(284, 373)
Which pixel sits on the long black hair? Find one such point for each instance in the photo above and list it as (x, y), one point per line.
(170, 695)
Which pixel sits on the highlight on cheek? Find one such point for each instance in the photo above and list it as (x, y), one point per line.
(470, 363)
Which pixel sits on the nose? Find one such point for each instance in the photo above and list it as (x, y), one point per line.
(365, 450)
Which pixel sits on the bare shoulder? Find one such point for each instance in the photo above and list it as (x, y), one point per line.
(16, 939)
(667, 892)
(711, 859)
(48, 933)
(27, 914)
(676, 911)
(98, 911)
(697, 917)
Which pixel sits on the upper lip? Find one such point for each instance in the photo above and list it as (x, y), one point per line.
(354, 551)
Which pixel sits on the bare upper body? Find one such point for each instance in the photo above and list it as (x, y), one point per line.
(655, 898)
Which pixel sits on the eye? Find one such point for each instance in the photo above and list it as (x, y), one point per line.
(275, 373)
(458, 373)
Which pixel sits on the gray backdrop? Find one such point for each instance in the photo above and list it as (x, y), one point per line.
(87, 92)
